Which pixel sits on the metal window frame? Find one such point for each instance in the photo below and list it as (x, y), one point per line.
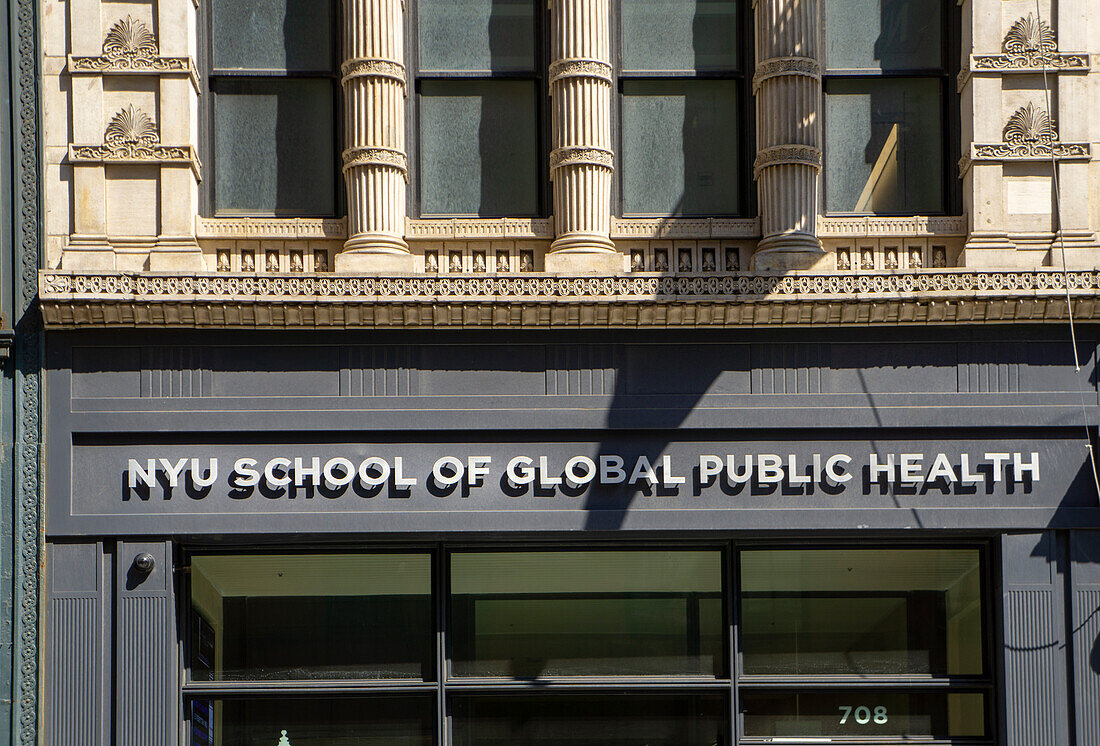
(211, 75)
(441, 549)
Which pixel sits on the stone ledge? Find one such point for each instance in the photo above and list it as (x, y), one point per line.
(89, 299)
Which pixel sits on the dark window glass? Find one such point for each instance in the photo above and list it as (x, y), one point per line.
(281, 617)
(477, 35)
(590, 720)
(883, 145)
(331, 721)
(864, 714)
(533, 614)
(273, 146)
(272, 35)
(679, 147)
(869, 611)
(478, 148)
(679, 35)
(883, 34)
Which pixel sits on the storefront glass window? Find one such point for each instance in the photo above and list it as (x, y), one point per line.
(319, 616)
(330, 721)
(862, 611)
(533, 614)
(590, 720)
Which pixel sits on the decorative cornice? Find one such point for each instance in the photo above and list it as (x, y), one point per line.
(580, 68)
(370, 67)
(131, 137)
(783, 66)
(130, 48)
(74, 300)
(285, 229)
(686, 228)
(581, 155)
(882, 227)
(479, 228)
(782, 155)
(384, 157)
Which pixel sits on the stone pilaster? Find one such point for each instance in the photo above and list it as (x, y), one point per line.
(787, 84)
(581, 162)
(374, 160)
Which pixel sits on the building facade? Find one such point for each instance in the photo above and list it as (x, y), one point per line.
(476, 372)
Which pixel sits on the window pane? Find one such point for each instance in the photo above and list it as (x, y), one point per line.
(680, 142)
(592, 720)
(883, 34)
(497, 35)
(883, 146)
(322, 616)
(870, 713)
(333, 721)
(679, 35)
(273, 151)
(272, 34)
(532, 614)
(478, 148)
(869, 611)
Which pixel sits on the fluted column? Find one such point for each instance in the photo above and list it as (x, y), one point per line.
(581, 162)
(787, 84)
(374, 160)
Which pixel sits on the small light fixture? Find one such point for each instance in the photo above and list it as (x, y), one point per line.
(144, 563)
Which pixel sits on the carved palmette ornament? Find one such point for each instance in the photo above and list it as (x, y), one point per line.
(131, 126)
(1030, 36)
(1029, 125)
(130, 38)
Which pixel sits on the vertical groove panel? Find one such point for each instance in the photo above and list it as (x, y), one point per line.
(1031, 643)
(72, 670)
(143, 664)
(1086, 632)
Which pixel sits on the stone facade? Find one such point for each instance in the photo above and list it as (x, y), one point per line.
(124, 157)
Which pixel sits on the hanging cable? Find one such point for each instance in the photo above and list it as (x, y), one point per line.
(1060, 239)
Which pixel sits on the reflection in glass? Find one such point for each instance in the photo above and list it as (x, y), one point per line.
(332, 721)
(624, 613)
(476, 35)
(292, 35)
(870, 713)
(478, 148)
(862, 611)
(592, 720)
(883, 146)
(679, 35)
(883, 34)
(680, 147)
(273, 147)
(324, 616)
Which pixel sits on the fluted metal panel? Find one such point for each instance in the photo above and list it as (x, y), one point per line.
(1085, 573)
(1034, 656)
(75, 677)
(147, 673)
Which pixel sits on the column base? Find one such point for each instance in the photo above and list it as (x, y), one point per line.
(176, 254)
(785, 252)
(374, 254)
(88, 253)
(1080, 248)
(584, 254)
(994, 251)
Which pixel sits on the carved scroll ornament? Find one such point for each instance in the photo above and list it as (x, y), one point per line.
(130, 47)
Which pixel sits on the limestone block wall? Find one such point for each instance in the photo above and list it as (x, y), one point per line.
(1029, 96)
(123, 167)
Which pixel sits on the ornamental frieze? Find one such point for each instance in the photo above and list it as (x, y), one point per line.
(1029, 135)
(783, 155)
(581, 156)
(384, 157)
(362, 67)
(578, 68)
(1028, 47)
(783, 66)
(131, 137)
(130, 48)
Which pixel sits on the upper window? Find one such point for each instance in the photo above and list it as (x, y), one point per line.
(480, 88)
(483, 108)
(271, 111)
(680, 94)
(888, 100)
